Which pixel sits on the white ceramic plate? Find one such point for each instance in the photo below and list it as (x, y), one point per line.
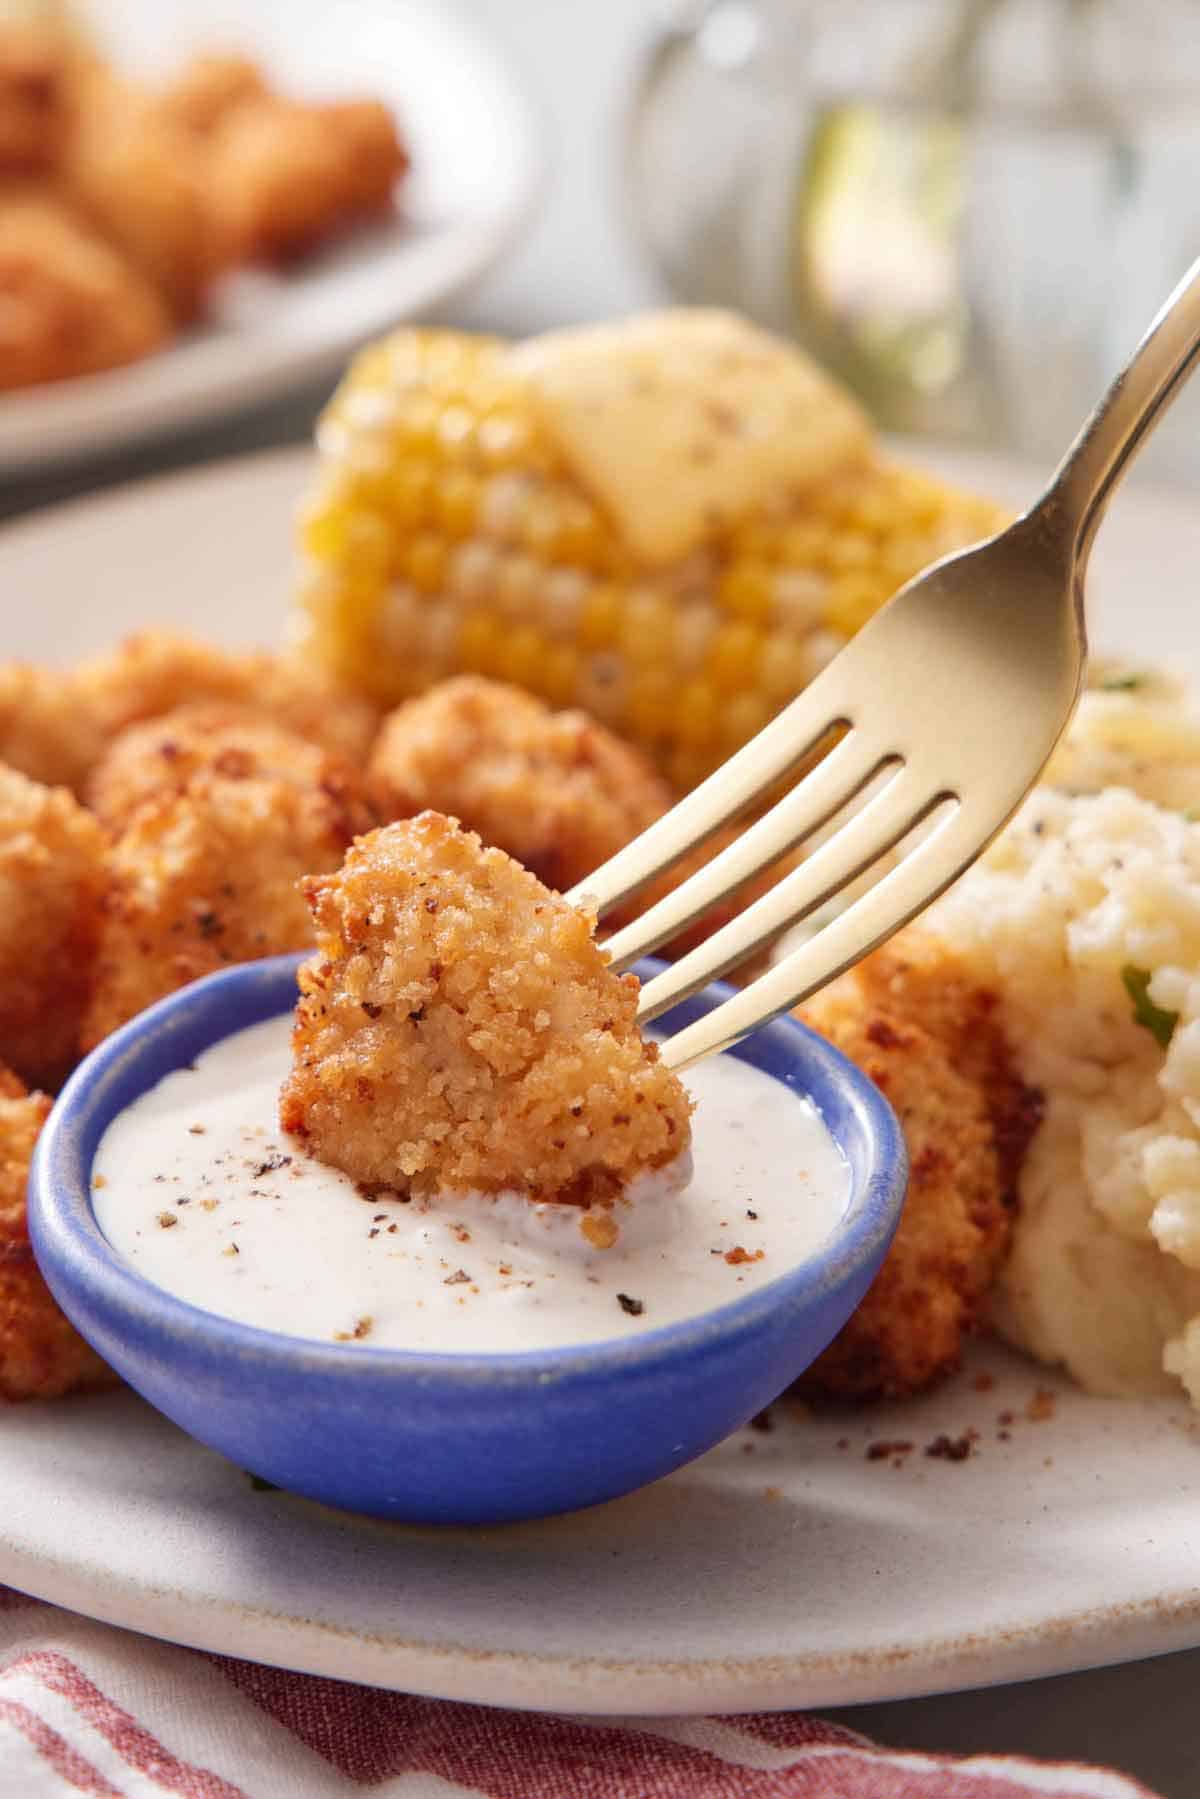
(475, 175)
(784, 1569)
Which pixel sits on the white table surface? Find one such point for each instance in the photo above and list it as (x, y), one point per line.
(576, 58)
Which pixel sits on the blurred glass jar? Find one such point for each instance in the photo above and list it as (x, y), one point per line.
(969, 209)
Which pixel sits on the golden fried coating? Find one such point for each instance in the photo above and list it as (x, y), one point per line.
(51, 882)
(918, 977)
(210, 88)
(32, 97)
(41, 1355)
(56, 726)
(207, 877)
(927, 1037)
(459, 1029)
(287, 176)
(69, 304)
(143, 182)
(163, 755)
(43, 733)
(554, 789)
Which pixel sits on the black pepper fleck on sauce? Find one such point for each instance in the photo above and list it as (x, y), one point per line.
(634, 1307)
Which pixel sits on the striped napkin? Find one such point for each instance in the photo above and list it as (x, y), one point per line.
(88, 1709)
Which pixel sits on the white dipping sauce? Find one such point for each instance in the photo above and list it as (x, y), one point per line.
(197, 1186)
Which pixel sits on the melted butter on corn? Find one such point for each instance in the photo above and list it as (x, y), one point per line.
(458, 522)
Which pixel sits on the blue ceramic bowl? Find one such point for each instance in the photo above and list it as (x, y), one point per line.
(453, 1438)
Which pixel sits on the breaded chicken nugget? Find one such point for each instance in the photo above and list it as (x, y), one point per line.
(69, 303)
(932, 1289)
(210, 88)
(43, 733)
(41, 1355)
(32, 97)
(459, 1029)
(56, 726)
(207, 877)
(51, 883)
(288, 175)
(918, 977)
(143, 181)
(155, 672)
(554, 789)
(164, 754)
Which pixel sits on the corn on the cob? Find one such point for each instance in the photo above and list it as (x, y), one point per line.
(448, 532)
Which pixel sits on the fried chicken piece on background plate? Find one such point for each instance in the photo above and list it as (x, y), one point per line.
(459, 1030)
(286, 175)
(144, 183)
(52, 879)
(32, 96)
(209, 88)
(41, 1354)
(70, 304)
(209, 876)
(926, 1034)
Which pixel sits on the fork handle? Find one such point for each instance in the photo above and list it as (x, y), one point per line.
(1088, 474)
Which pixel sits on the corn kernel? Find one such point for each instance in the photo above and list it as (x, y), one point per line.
(504, 441)
(479, 641)
(520, 656)
(733, 656)
(409, 493)
(558, 677)
(600, 618)
(696, 713)
(456, 503)
(745, 590)
(743, 717)
(423, 561)
(647, 628)
(650, 706)
(784, 667)
(852, 600)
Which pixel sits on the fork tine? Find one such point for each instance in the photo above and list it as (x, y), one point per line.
(884, 821)
(896, 898)
(836, 780)
(779, 749)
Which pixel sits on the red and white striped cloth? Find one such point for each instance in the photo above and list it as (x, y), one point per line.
(87, 1709)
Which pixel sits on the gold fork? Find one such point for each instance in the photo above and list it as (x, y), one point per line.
(941, 714)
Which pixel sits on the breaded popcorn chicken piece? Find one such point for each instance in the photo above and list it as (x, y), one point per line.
(144, 183)
(288, 175)
(556, 790)
(458, 1029)
(56, 726)
(209, 88)
(43, 732)
(32, 67)
(206, 877)
(41, 1354)
(52, 880)
(155, 672)
(70, 304)
(164, 754)
(966, 1121)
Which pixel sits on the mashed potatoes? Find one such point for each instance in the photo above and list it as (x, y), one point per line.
(1085, 915)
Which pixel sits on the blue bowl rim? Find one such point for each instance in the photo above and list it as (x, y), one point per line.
(65, 1227)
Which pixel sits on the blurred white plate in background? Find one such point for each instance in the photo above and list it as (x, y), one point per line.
(789, 1569)
(475, 177)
